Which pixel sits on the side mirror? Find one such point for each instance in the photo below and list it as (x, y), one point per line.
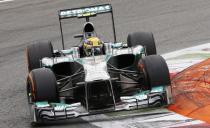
(78, 36)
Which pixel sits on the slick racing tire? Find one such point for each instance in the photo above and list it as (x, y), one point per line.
(42, 86)
(142, 38)
(155, 71)
(35, 52)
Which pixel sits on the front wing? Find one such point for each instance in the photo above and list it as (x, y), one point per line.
(158, 96)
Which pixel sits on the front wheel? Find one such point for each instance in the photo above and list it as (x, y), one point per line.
(155, 71)
(42, 86)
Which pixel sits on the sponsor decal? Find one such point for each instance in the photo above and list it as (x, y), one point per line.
(85, 11)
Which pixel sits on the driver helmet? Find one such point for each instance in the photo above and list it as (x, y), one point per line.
(89, 30)
(91, 42)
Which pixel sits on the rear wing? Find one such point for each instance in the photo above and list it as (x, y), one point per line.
(85, 12)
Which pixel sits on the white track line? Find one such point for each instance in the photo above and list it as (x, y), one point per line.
(3, 1)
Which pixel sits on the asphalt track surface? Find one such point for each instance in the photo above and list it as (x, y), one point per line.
(176, 24)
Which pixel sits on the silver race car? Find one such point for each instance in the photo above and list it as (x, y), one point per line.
(96, 76)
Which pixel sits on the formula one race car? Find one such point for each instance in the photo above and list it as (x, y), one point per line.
(96, 76)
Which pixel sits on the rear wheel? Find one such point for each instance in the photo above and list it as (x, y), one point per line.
(142, 38)
(35, 52)
(155, 71)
